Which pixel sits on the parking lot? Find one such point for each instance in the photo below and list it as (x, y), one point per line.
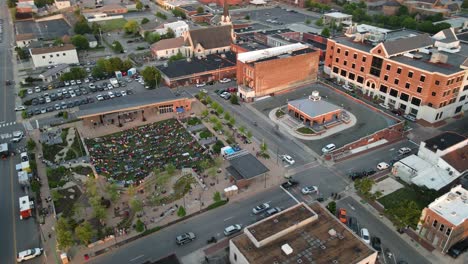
(368, 121)
(277, 16)
(74, 93)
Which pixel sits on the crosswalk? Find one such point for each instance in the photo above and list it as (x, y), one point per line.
(5, 124)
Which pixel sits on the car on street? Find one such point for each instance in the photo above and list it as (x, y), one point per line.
(20, 108)
(30, 91)
(384, 106)
(289, 184)
(404, 150)
(382, 166)
(273, 211)
(225, 80)
(28, 254)
(353, 224)
(200, 84)
(410, 118)
(204, 91)
(347, 88)
(365, 235)
(232, 229)
(376, 243)
(111, 94)
(458, 249)
(260, 208)
(342, 215)
(47, 99)
(288, 159)
(328, 148)
(92, 86)
(17, 136)
(185, 238)
(309, 190)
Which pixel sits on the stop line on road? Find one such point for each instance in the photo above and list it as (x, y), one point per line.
(5, 124)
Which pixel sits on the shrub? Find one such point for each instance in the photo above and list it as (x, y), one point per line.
(216, 204)
(139, 227)
(22, 93)
(205, 134)
(181, 212)
(216, 197)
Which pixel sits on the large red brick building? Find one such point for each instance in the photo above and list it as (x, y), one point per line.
(424, 76)
(268, 71)
(444, 222)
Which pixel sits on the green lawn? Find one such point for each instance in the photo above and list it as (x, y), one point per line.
(305, 130)
(422, 197)
(113, 24)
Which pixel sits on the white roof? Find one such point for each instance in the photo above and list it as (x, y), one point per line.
(176, 24)
(452, 206)
(24, 203)
(257, 2)
(337, 15)
(255, 55)
(23, 176)
(361, 28)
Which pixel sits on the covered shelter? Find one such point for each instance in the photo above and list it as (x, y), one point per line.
(244, 168)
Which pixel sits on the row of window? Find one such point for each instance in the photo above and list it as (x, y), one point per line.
(338, 50)
(56, 55)
(441, 227)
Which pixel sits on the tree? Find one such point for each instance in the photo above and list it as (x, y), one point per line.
(64, 235)
(139, 226)
(58, 42)
(181, 212)
(169, 34)
(364, 186)
(325, 32)
(80, 42)
(234, 99)
(151, 76)
(465, 4)
(126, 65)
(200, 10)
(117, 47)
(82, 27)
(31, 145)
(113, 192)
(242, 130)
(136, 204)
(216, 197)
(319, 22)
(232, 121)
(22, 54)
(178, 13)
(409, 22)
(11, 3)
(84, 232)
(152, 37)
(249, 134)
(170, 169)
(176, 57)
(247, 17)
(212, 172)
(161, 15)
(332, 207)
(219, 110)
(308, 21)
(139, 5)
(131, 27)
(98, 210)
(95, 28)
(227, 116)
(405, 213)
(205, 113)
(144, 21)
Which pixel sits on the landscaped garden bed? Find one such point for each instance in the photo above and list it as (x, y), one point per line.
(305, 130)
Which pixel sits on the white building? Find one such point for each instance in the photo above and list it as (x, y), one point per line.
(61, 4)
(91, 40)
(439, 162)
(172, 4)
(54, 55)
(179, 28)
(166, 48)
(338, 18)
(23, 40)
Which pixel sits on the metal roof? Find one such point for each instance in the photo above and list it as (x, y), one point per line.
(313, 108)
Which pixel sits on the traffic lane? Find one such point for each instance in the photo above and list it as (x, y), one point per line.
(7, 230)
(205, 226)
(370, 160)
(390, 239)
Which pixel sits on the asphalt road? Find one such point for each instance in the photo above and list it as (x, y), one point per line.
(17, 235)
(206, 225)
(390, 239)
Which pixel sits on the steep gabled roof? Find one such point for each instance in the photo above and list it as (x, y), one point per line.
(213, 37)
(407, 44)
(168, 44)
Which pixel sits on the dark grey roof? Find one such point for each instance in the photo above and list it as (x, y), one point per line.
(313, 108)
(58, 68)
(453, 7)
(407, 44)
(463, 37)
(444, 141)
(449, 36)
(44, 30)
(181, 68)
(212, 37)
(120, 103)
(246, 167)
(90, 37)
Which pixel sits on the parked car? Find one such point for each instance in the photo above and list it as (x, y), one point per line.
(347, 88)
(397, 112)
(288, 159)
(353, 225)
(410, 118)
(260, 208)
(458, 249)
(342, 215)
(328, 148)
(309, 189)
(200, 84)
(404, 150)
(224, 94)
(20, 108)
(185, 238)
(384, 106)
(225, 80)
(232, 90)
(28, 254)
(30, 91)
(365, 235)
(382, 166)
(289, 184)
(37, 89)
(227, 96)
(232, 229)
(376, 244)
(273, 211)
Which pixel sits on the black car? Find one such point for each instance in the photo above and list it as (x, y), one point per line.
(90, 100)
(30, 113)
(353, 225)
(376, 244)
(118, 94)
(77, 103)
(50, 109)
(289, 184)
(84, 101)
(106, 97)
(41, 100)
(37, 111)
(35, 101)
(70, 104)
(67, 95)
(458, 249)
(129, 91)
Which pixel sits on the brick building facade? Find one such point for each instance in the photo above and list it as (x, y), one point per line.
(268, 71)
(424, 76)
(445, 221)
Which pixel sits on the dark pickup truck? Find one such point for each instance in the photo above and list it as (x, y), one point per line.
(289, 184)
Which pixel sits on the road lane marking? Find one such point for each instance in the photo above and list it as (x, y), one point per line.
(133, 259)
(292, 196)
(228, 218)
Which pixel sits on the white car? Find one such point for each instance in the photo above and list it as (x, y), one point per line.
(365, 235)
(73, 82)
(203, 91)
(328, 148)
(123, 93)
(288, 159)
(78, 81)
(72, 93)
(309, 190)
(17, 136)
(382, 166)
(225, 80)
(109, 86)
(92, 86)
(47, 99)
(384, 106)
(404, 150)
(223, 95)
(200, 84)
(99, 97)
(260, 208)
(111, 94)
(37, 89)
(232, 229)
(28, 254)
(30, 91)
(347, 87)
(86, 80)
(67, 83)
(20, 108)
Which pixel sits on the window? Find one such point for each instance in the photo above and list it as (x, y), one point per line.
(462, 98)
(338, 50)
(396, 81)
(335, 69)
(383, 88)
(452, 100)
(376, 66)
(345, 63)
(343, 73)
(393, 92)
(63, 54)
(385, 78)
(235, 257)
(437, 82)
(353, 66)
(337, 60)
(331, 57)
(360, 79)
(455, 90)
(448, 82)
(332, 47)
(465, 88)
(410, 74)
(398, 71)
(43, 57)
(362, 69)
(363, 59)
(422, 78)
(351, 76)
(404, 97)
(429, 104)
(419, 90)
(434, 93)
(346, 53)
(51, 55)
(449, 230)
(57, 55)
(407, 85)
(416, 101)
(355, 55)
(389, 67)
(442, 227)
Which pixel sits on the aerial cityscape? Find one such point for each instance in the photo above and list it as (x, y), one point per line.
(234, 131)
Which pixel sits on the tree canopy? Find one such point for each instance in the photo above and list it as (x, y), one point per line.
(80, 42)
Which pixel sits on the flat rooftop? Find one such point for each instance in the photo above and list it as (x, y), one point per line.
(458, 159)
(212, 62)
(452, 206)
(443, 141)
(337, 15)
(310, 243)
(246, 167)
(273, 53)
(43, 30)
